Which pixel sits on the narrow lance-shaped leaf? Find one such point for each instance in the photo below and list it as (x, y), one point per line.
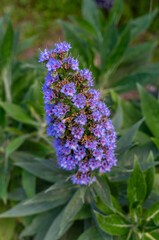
(90, 13)
(113, 224)
(156, 142)
(150, 109)
(40, 224)
(150, 175)
(42, 168)
(136, 190)
(126, 140)
(17, 113)
(4, 180)
(29, 183)
(139, 51)
(131, 114)
(102, 190)
(40, 203)
(3, 21)
(116, 10)
(118, 117)
(141, 24)
(72, 208)
(7, 229)
(108, 44)
(119, 50)
(152, 212)
(55, 227)
(153, 235)
(7, 43)
(143, 76)
(63, 221)
(16, 143)
(23, 45)
(91, 233)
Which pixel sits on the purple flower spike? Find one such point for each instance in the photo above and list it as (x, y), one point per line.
(84, 137)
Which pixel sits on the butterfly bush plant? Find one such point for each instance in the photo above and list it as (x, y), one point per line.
(77, 119)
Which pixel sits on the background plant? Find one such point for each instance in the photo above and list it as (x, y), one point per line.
(42, 204)
(106, 47)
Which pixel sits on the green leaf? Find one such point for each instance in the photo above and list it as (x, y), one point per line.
(115, 208)
(102, 206)
(14, 131)
(126, 114)
(102, 190)
(138, 52)
(15, 144)
(37, 148)
(91, 233)
(142, 23)
(126, 140)
(136, 190)
(7, 43)
(143, 76)
(3, 21)
(23, 45)
(63, 221)
(141, 138)
(116, 10)
(153, 235)
(17, 113)
(51, 194)
(150, 175)
(4, 180)
(156, 183)
(7, 229)
(118, 116)
(156, 141)
(131, 114)
(84, 213)
(152, 212)
(21, 210)
(113, 224)
(40, 225)
(29, 183)
(119, 50)
(41, 202)
(42, 168)
(54, 229)
(150, 109)
(79, 44)
(108, 44)
(84, 25)
(17, 195)
(90, 13)
(72, 208)
(16, 39)
(141, 151)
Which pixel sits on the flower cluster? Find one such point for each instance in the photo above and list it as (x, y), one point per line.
(77, 119)
(105, 3)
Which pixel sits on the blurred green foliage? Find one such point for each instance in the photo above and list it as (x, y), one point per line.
(37, 198)
(108, 49)
(133, 9)
(39, 17)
